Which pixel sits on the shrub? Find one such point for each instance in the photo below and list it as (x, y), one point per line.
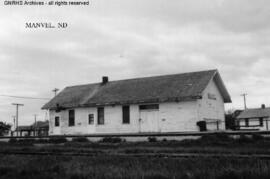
(13, 140)
(22, 141)
(216, 137)
(164, 140)
(257, 137)
(244, 139)
(80, 139)
(58, 140)
(152, 139)
(112, 140)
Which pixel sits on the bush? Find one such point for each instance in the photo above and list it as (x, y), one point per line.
(112, 140)
(58, 140)
(216, 138)
(80, 139)
(152, 139)
(257, 137)
(244, 139)
(164, 140)
(22, 141)
(13, 140)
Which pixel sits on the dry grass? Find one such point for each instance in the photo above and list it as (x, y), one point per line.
(12, 167)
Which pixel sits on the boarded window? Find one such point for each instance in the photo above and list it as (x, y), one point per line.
(149, 107)
(126, 114)
(91, 119)
(56, 121)
(261, 122)
(100, 115)
(71, 118)
(246, 122)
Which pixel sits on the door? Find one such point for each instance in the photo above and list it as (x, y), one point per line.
(149, 121)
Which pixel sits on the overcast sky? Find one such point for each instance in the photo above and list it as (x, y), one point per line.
(133, 38)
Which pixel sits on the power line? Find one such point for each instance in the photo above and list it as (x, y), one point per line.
(24, 97)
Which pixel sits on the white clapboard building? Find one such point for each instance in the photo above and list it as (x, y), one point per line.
(254, 119)
(169, 103)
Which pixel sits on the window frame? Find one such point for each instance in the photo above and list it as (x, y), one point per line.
(126, 114)
(261, 121)
(100, 116)
(92, 121)
(57, 122)
(71, 118)
(246, 122)
(212, 96)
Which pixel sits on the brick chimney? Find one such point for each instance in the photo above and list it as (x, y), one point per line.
(263, 106)
(105, 79)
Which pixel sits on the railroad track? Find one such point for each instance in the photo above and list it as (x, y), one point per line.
(152, 155)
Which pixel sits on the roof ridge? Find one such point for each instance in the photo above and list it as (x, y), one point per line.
(147, 77)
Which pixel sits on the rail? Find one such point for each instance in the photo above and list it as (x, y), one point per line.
(149, 155)
(167, 134)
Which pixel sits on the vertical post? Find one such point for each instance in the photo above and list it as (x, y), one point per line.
(55, 91)
(17, 115)
(14, 122)
(245, 100)
(35, 125)
(267, 124)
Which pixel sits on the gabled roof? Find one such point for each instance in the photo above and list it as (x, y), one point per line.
(177, 87)
(254, 113)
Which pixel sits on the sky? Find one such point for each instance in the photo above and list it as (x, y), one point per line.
(132, 38)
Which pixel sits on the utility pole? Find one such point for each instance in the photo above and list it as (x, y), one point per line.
(35, 125)
(17, 116)
(14, 124)
(55, 91)
(245, 100)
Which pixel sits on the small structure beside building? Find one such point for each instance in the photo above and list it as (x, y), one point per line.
(231, 118)
(40, 128)
(170, 103)
(254, 119)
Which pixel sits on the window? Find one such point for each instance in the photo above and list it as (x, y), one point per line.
(100, 115)
(212, 96)
(56, 121)
(91, 119)
(126, 116)
(261, 122)
(246, 123)
(71, 118)
(149, 107)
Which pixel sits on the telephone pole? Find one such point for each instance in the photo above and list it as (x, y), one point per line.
(17, 116)
(245, 100)
(55, 91)
(14, 123)
(35, 125)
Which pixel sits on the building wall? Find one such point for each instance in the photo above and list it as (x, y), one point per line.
(179, 117)
(171, 117)
(81, 122)
(210, 109)
(253, 124)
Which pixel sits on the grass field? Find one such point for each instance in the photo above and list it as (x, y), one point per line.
(108, 164)
(12, 167)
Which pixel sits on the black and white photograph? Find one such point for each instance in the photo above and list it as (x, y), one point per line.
(134, 89)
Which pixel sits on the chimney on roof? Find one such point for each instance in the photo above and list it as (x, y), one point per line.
(105, 79)
(263, 106)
